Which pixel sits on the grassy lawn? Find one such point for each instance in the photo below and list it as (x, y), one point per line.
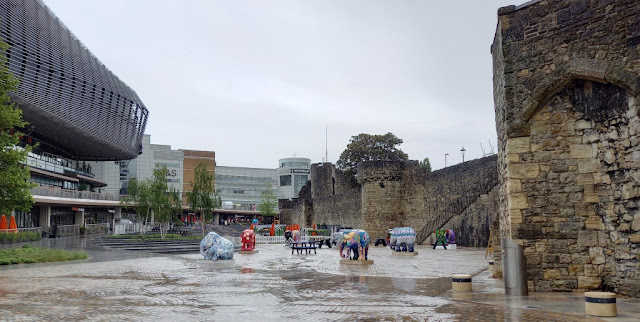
(26, 255)
(153, 237)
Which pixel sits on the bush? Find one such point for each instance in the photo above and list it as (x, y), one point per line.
(26, 246)
(9, 238)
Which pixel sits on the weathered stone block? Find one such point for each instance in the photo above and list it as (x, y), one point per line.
(524, 171)
(518, 145)
(518, 201)
(513, 158)
(576, 268)
(584, 179)
(587, 166)
(596, 254)
(589, 283)
(587, 238)
(552, 274)
(514, 185)
(582, 151)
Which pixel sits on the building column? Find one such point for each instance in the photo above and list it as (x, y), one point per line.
(79, 220)
(118, 213)
(45, 218)
(216, 219)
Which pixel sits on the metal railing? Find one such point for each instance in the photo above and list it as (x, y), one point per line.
(96, 228)
(32, 229)
(270, 239)
(73, 194)
(67, 230)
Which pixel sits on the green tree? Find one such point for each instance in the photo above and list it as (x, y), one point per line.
(161, 206)
(14, 176)
(202, 197)
(268, 202)
(367, 147)
(426, 164)
(176, 204)
(138, 199)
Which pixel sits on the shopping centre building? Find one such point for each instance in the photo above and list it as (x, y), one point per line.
(87, 127)
(78, 111)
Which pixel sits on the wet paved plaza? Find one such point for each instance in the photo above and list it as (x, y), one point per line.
(272, 285)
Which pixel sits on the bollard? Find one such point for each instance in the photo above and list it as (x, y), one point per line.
(600, 303)
(492, 266)
(461, 283)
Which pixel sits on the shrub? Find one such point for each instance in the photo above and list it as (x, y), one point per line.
(26, 246)
(9, 238)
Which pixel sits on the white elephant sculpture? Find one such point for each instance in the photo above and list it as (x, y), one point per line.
(402, 239)
(215, 247)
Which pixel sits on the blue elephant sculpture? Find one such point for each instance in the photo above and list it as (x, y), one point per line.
(214, 247)
(356, 242)
(402, 239)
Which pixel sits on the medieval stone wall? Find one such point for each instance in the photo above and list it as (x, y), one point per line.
(566, 87)
(473, 224)
(396, 193)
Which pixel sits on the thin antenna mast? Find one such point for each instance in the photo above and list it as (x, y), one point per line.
(326, 145)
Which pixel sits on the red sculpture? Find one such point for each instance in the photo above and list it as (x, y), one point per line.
(248, 239)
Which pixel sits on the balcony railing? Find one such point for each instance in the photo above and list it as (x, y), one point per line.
(58, 164)
(73, 194)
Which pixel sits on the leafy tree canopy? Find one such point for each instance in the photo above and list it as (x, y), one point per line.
(203, 197)
(426, 164)
(367, 147)
(14, 177)
(268, 201)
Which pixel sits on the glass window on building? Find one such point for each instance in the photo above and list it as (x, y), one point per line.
(285, 180)
(300, 181)
(28, 219)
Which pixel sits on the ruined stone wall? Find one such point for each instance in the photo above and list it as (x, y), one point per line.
(382, 195)
(432, 199)
(400, 193)
(472, 225)
(566, 87)
(330, 197)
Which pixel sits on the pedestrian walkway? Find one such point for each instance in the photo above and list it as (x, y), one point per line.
(272, 285)
(490, 291)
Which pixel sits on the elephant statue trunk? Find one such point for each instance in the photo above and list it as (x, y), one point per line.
(356, 241)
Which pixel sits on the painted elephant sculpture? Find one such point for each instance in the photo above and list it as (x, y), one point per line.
(248, 239)
(402, 239)
(356, 242)
(214, 247)
(295, 235)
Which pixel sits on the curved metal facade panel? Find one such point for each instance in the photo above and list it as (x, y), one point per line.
(69, 97)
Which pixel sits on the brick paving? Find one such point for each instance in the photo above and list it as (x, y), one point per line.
(272, 285)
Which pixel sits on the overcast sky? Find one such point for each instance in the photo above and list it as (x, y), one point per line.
(256, 80)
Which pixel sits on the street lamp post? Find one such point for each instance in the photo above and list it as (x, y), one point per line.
(445, 159)
(462, 150)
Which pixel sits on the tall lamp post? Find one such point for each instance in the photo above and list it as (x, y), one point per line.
(445, 159)
(462, 150)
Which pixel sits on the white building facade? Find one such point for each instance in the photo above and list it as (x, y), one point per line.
(117, 174)
(293, 174)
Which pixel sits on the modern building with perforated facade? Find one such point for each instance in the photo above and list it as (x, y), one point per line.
(78, 111)
(77, 107)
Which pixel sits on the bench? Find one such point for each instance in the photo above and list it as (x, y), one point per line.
(306, 246)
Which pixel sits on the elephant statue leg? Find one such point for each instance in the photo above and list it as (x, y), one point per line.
(410, 247)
